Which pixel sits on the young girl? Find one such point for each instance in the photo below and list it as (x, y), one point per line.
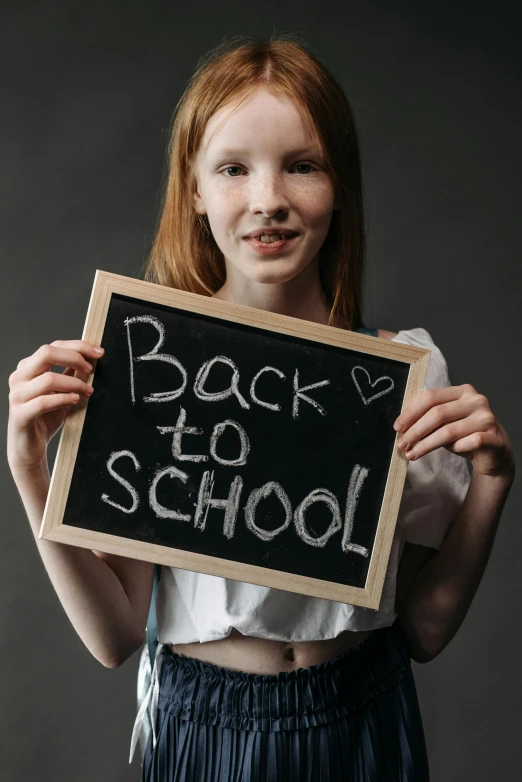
(263, 206)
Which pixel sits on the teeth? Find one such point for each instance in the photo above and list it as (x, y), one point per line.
(270, 238)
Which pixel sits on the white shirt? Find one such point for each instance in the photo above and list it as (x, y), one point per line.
(194, 606)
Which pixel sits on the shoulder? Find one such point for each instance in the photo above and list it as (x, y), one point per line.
(383, 334)
(418, 337)
(438, 369)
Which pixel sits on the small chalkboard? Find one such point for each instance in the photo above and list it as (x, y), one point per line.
(228, 440)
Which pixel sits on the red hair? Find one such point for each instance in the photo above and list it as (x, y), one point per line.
(184, 254)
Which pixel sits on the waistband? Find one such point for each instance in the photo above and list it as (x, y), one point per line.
(206, 693)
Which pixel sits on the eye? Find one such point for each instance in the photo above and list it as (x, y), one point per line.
(309, 165)
(232, 168)
(239, 168)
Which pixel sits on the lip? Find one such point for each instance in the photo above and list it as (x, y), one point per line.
(269, 232)
(270, 248)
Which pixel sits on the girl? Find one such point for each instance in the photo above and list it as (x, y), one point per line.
(263, 206)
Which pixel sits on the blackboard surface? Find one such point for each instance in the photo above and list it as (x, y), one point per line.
(308, 449)
(232, 441)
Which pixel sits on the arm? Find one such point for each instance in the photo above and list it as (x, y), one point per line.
(105, 597)
(435, 590)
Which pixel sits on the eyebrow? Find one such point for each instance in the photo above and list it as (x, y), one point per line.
(245, 152)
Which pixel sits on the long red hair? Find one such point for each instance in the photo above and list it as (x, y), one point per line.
(184, 254)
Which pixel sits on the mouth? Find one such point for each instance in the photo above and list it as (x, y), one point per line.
(270, 244)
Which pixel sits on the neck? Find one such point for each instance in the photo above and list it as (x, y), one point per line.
(302, 297)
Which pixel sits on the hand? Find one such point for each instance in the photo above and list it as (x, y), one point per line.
(460, 419)
(39, 398)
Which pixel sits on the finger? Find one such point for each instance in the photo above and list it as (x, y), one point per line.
(423, 402)
(26, 414)
(50, 383)
(474, 441)
(48, 356)
(88, 349)
(434, 418)
(443, 436)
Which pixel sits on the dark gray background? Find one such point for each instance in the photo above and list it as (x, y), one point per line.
(87, 93)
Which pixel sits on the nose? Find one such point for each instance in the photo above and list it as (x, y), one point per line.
(267, 196)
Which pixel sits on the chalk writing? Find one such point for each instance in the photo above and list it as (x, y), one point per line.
(231, 504)
(300, 394)
(237, 442)
(384, 390)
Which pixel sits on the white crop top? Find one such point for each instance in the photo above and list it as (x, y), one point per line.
(193, 606)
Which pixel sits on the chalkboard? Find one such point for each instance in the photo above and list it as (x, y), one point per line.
(232, 441)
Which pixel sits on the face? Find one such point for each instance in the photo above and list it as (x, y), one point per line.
(261, 170)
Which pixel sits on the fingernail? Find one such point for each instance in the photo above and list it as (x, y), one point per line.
(398, 426)
(98, 351)
(89, 366)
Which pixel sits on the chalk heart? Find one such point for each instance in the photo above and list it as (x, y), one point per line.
(383, 384)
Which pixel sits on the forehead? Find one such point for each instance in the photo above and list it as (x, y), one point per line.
(263, 117)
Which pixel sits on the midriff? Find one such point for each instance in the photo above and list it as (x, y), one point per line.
(260, 655)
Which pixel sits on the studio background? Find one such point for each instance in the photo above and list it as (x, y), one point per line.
(87, 94)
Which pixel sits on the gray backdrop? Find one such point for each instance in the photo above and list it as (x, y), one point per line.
(87, 93)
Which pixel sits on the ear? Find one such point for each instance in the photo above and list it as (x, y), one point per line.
(198, 200)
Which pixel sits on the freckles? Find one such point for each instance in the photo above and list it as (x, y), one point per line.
(227, 204)
(314, 195)
(325, 200)
(234, 200)
(228, 195)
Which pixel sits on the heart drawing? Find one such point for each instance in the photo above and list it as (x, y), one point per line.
(368, 399)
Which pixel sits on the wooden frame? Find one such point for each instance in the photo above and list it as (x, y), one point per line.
(105, 284)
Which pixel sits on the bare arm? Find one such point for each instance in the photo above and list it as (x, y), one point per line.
(436, 591)
(436, 588)
(105, 597)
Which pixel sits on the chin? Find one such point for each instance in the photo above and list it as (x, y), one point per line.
(272, 272)
(273, 278)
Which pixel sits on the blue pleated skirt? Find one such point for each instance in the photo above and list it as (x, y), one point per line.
(354, 718)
